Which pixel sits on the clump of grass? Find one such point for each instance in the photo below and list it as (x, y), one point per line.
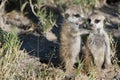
(47, 19)
(80, 66)
(11, 58)
(84, 2)
(8, 54)
(114, 45)
(92, 74)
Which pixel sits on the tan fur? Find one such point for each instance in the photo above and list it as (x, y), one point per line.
(98, 43)
(70, 38)
(87, 60)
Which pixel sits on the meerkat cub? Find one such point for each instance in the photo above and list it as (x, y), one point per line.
(98, 42)
(70, 38)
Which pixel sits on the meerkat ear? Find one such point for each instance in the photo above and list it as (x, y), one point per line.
(107, 20)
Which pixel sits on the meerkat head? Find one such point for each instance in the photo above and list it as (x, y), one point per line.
(74, 15)
(96, 21)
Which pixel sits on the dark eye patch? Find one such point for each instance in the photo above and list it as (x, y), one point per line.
(97, 21)
(76, 15)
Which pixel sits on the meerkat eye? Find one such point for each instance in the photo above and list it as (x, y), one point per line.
(97, 21)
(76, 15)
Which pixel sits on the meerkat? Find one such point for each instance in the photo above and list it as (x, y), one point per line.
(70, 38)
(19, 21)
(98, 43)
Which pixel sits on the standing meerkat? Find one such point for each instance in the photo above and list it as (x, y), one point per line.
(98, 43)
(70, 38)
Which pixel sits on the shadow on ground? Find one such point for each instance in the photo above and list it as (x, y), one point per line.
(39, 46)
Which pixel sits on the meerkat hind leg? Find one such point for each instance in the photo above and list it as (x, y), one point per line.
(99, 60)
(70, 70)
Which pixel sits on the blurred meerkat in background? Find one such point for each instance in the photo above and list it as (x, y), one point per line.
(70, 37)
(18, 19)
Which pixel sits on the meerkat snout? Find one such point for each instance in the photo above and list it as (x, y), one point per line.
(96, 21)
(74, 17)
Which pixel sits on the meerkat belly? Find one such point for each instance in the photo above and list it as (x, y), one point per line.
(75, 47)
(97, 43)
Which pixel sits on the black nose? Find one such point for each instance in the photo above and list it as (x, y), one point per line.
(89, 20)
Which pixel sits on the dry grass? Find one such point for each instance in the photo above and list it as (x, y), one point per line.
(16, 64)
